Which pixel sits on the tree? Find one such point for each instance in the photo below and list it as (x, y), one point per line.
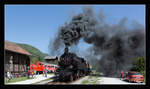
(140, 64)
(40, 59)
(34, 60)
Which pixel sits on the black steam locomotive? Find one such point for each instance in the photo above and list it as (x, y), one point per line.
(71, 67)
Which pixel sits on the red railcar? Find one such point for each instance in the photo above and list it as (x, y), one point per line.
(53, 69)
(33, 67)
(50, 67)
(39, 66)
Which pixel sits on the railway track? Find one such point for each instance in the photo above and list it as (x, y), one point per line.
(57, 82)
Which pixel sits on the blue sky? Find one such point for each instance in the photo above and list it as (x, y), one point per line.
(38, 24)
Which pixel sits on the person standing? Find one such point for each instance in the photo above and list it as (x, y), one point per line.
(8, 75)
(28, 73)
(32, 72)
(35, 73)
(45, 72)
(5, 74)
(122, 73)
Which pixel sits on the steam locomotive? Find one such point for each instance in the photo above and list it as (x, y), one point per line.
(71, 67)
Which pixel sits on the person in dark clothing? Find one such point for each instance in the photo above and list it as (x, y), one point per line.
(28, 73)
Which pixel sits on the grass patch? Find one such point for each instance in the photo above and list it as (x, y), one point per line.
(85, 81)
(89, 77)
(91, 80)
(16, 79)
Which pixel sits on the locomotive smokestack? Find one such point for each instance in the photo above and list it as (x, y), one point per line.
(66, 50)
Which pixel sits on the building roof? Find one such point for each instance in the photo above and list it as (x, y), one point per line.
(50, 57)
(15, 48)
(48, 64)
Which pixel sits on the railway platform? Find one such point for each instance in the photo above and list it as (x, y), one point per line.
(38, 78)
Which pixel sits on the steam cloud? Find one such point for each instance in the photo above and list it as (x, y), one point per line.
(116, 44)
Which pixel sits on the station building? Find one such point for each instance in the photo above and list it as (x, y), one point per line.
(16, 59)
(51, 60)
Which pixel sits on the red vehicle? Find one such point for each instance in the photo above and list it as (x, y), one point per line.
(33, 67)
(48, 68)
(52, 69)
(39, 66)
(132, 76)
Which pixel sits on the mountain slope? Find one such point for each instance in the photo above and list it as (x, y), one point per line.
(34, 51)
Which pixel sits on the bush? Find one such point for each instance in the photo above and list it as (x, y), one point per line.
(140, 64)
(36, 59)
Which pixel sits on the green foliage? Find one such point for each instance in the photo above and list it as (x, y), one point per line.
(34, 51)
(140, 64)
(91, 80)
(15, 79)
(34, 60)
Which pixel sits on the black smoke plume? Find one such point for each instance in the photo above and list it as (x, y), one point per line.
(117, 45)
